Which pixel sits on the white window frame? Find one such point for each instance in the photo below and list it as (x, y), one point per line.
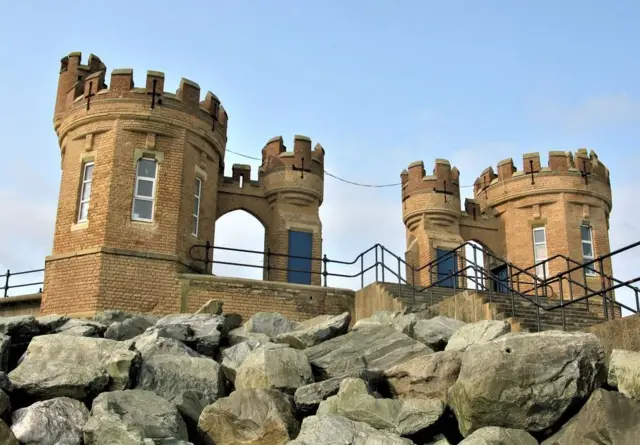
(84, 200)
(590, 271)
(197, 196)
(137, 197)
(539, 271)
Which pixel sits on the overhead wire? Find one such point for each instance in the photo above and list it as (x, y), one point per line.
(358, 184)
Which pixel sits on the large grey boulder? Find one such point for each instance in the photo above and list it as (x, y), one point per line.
(608, 418)
(403, 417)
(201, 332)
(188, 382)
(250, 417)
(49, 323)
(6, 435)
(493, 435)
(239, 335)
(333, 430)
(155, 341)
(437, 331)
(109, 316)
(400, 321)
(316, 330)
(51, 422)
(78, 367)
(129, 328)
(235, 356)
(428, 376)
(270, 324)
(624, 372)
(477, 333)
(308, 397)
(129, 417)
(274, 366)
(81, 328)
(374, 348)
(526, 381)
(21, 329)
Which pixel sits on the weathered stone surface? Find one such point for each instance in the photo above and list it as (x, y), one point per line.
(129, 328)
(5, 405)
(316, 330)
(477, 334)
(111, 316)
(274, 366)
(250, 417)
(190, 383)
(77, 367)
(81, 328)
(5, 383)
(234, 356)
(6, 435)
(128, 417)
(51, 422)
(165, 442)
(201, 332)
(526, 381)
(428, 376)
(240, 335)
(271, 324)
(308, 397)
(403, 417)
(333, 429)
(437, 331)
(21, 328)
(211, 307)
(369, 347)
(400, 321)
(624, 372)
(5, 342)
(49, 323)
(493, 435)
(608, 418)
(155, 341)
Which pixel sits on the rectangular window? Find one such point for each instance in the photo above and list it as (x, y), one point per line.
(196, 207)
(540, 251)
(85, 192)
(145, 190)
(587, 249)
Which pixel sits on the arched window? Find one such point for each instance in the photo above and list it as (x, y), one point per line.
(145, 190)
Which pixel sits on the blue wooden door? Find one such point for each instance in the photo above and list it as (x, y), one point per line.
(500, 280)
(447, 265)
(299, 269)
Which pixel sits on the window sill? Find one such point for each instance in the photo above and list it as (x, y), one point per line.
(80, 226)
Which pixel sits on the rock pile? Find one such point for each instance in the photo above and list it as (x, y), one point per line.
(392, 379)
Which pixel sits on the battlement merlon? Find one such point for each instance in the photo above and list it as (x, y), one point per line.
(583, 163)
(275, 156)
(240, 177)
(77, 82)
(444, 178)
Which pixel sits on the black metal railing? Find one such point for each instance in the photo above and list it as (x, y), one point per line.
(8, 286)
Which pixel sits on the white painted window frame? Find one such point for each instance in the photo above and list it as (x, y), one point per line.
(197, 196)
(84, 200)
(152, 199)
(539, 271)
(590, 271)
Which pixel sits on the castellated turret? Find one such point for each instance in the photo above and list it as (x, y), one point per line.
(543, 212)
(139, 187)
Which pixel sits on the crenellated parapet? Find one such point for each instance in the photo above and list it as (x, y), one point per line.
(580, 172)
(296, 175)
(436, 195)
(84, 93)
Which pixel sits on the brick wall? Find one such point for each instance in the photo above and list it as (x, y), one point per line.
(246, 297)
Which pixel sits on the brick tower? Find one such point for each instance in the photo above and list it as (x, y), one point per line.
(137, 163)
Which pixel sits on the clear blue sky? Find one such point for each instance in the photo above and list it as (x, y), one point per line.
(378, 83)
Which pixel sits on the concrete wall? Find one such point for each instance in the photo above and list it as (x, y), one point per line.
(621, 333)
(20, 305)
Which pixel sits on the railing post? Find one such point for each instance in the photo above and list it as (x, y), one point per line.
(586, 288)
(207, 246)
(544, 279)
(568, 281)
(637, 302)
(564, 324)
(603, 287)
(475, 263)
(382, 262)
(535, 289)
(399, 275)
(6, 283)
(376, 264)
(325, 273)
(510, 280)
(268, 265)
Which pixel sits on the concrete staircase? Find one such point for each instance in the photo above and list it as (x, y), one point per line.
(497, 306)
